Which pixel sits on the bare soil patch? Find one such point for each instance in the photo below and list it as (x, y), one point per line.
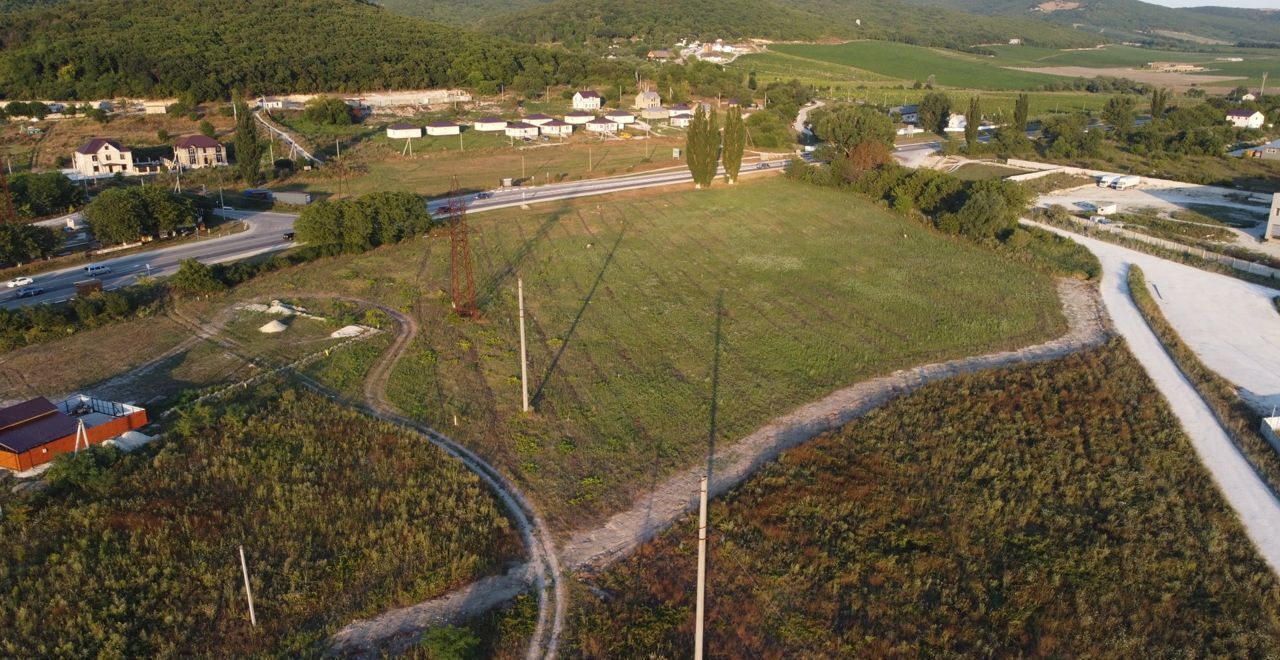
(1177, 81)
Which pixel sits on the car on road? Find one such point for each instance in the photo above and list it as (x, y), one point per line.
(97, 269)
(18, 281)
(484, 195)
(30, 291)
(289, 236)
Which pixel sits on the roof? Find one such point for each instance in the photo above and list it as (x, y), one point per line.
(402, 127)
(556, 123)
(648, 94)
(588, 94)
(618, 113)
(578, 113)
(197, 141)
(95, 145)
(1242, 113)
(490, 120)
(33, 423)
(680, 106)
(538, 116)
(520, 125)
(442, 124)
(599, 121)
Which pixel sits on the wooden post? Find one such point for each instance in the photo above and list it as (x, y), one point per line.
(244, 568)
(702, 567)
(524, 360)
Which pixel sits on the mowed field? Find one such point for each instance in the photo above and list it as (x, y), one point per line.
(949, 69)
(1052, 510)
(816, 289)
(1256, 61)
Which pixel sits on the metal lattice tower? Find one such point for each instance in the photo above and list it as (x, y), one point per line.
(462, 286)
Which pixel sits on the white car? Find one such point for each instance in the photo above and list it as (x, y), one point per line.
(18, 281)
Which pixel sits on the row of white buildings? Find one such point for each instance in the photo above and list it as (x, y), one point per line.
(531, 126)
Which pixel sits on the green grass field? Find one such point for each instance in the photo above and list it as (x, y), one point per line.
(1256, 60)
(820, 289)
(950, 69)
(983, 171)
(1054, 510)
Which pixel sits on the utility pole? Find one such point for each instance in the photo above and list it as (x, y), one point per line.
(338, 146)
(244, 568)
(522, 174)
(590, 165)
(524, 360)
(702, 567)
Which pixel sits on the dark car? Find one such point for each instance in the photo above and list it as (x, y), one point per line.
(484, 195)
(288, 236)
(30, 291)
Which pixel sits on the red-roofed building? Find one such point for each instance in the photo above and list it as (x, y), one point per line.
(33, 432)
(102, 156)
(193, 152)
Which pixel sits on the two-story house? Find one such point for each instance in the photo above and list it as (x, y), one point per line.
(193, 152)
(102, 156)
(586, 100)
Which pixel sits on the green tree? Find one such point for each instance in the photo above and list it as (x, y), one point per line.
(1021, 109)
(44, 193)
(117, 215)
(207, 129)
(162, 135)
(1159, 102)
(249, 146)
(934, 108)
(735, 142)
(846, 127)
(195, 279)
(327, 110)
(702, 142)
(166, 211)
(971, 123)
(751, 81)
(1119, 113)
(20, 243)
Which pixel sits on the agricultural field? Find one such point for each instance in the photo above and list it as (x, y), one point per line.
(295, 479)
(819, 289)
(1256, 61)
(906, 62)
(1046, 510)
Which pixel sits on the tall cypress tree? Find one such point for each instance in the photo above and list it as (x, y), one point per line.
(971, 123)
(1159, 101)
(712, 148)
(249, 147)
(735, 142)
(694, 151)
(1020, 111)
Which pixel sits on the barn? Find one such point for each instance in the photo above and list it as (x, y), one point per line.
(403, 131)
(33, 432)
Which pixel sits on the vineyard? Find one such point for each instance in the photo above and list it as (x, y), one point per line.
(1047, 510)
(340, 517)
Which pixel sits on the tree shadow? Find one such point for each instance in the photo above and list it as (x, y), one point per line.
(715, 386)
(490, 288)
(555, 361)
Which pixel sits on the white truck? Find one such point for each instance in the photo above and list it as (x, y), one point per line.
(1106, 180)
(1126, 182)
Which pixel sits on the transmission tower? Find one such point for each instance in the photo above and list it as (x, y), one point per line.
(6, 205)
(462, 286)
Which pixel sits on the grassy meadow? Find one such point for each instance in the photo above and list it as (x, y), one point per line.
(291, 476)
(906, 62)
(818, 289)
(1052, 510)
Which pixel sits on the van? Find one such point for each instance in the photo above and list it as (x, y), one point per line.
(97, 269)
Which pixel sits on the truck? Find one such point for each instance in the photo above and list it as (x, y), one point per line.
(291, 197)
(1126, 182)
(1106, 180)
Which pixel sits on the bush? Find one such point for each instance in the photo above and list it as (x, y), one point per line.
(195, 279)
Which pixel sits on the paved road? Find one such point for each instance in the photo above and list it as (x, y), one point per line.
(803, 116)
(266, 231)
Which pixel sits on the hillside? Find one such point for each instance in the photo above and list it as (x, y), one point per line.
(1133, 19)
(577, 21)
(103, 48)
(457, 12)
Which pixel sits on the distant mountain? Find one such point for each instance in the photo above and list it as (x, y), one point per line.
(574, 22)
(1135, 20)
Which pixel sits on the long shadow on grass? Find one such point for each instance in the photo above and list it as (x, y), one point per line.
(490, 288)
(555, 361)
(715, 386)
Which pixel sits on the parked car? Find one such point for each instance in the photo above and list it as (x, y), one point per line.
(18, 281)
(30, 292)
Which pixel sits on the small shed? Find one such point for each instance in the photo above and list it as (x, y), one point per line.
(519, 129)
(556, 128)
(602, 125)
(682, 119)
(679, 108)
(403, 131)
(578, 118)
(490, 124)
(443, 128)
(538, 119)
(620, 117)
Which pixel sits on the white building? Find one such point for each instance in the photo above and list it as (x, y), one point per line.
(102, 156)
(193, 152)
(1246, 118)
(443, 128)
(682, 119)
(486, 124)
(403, 131)
(586, 100)
(538, 119)
(647, 100)
(556, 128)
(578, 118)
(621, 117)
(602, 125)
(519, 129)
(956, 123)
(654, 113)
(679, 109)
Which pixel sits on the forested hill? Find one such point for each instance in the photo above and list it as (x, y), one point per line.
(458, 12)
(1133, 19)
(573, 22)
(87, 49)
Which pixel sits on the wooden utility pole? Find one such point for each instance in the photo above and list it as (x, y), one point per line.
(244, 568)
(524, 360)
(702, 567)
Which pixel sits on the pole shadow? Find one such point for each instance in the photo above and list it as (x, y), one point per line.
(490, 288)
(714, 407)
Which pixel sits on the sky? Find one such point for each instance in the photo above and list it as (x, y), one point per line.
(1252, 4)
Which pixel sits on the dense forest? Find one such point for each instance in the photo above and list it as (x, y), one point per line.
(340, 516)
(102, 48)
(575, 21)
(1052, 510)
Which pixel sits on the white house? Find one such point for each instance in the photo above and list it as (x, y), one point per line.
(403, 131)
(519, 129)
(556, 128)
(578, 118)
(102, 156)
(1246, 118)
(602, 125)
(538, 119)
(443, 128)
(679, 109)
(586, 100)
(1249, 96)
(620, 117)
(490, 124)
(955, 123)
(646, 100)
(681, 120)
(910, 114)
